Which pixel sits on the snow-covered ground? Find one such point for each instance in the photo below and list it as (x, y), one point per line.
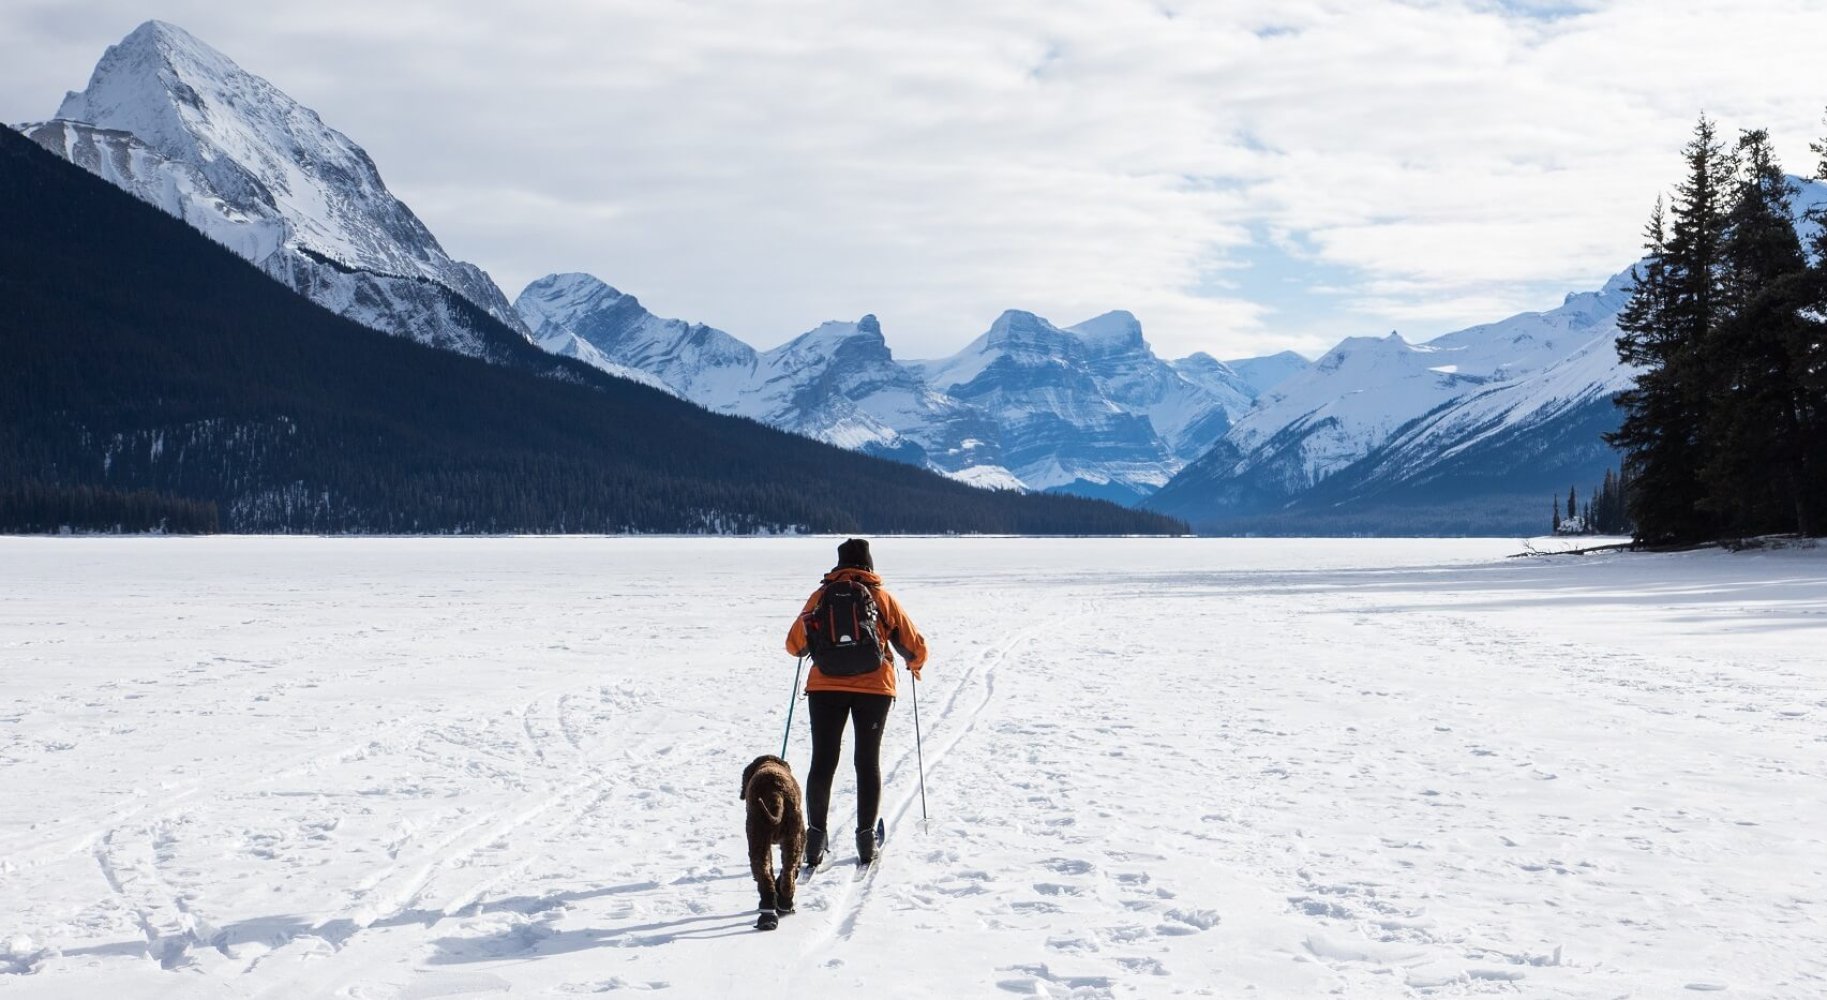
(442, 768)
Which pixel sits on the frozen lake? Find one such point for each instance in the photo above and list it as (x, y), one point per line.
(414, 768)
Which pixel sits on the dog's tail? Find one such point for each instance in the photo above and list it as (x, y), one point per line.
(774, 805)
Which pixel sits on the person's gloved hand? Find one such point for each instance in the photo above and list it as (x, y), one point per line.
(915, 671)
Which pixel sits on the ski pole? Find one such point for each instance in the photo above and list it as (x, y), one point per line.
(792, 696)
(919, 753)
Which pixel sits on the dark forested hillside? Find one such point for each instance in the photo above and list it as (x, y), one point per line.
(149, 376)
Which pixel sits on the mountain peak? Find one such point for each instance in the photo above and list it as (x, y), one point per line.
(574, 284)
(167, 37)
(834, 333)
(556, 302)
(1114, 330)
(170, 44)
(179, 124)
(1018, 327)
(158, 66)
(265, 157)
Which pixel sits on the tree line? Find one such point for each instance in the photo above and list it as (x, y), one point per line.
(1725, 427)
(32, 507)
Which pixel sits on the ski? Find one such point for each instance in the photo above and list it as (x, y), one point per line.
(863, 868)
(807, 871)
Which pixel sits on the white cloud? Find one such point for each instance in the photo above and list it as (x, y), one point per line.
(762, 167)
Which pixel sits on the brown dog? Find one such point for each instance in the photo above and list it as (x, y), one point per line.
(775, 817)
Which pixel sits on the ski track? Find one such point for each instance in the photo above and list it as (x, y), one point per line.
(405, 769)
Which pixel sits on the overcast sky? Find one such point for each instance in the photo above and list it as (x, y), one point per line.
(1244, 177)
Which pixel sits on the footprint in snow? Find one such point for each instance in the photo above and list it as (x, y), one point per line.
(613, 985)
(1320, 907)
(1180, 923)
(1039, 980)
(1143, 966)
(1125, 934)
(1067, 866)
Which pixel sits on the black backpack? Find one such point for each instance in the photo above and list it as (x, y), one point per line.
(843, 630)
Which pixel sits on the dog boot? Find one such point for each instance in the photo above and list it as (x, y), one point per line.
(784, 893)
(767, 921)
(815, 847)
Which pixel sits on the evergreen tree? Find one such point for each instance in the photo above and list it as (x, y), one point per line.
(1808, 363)
(1752, 473)
(1671, 314)
(1608, 516)
(1557, 513)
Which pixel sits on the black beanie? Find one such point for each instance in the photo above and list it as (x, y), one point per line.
(854, 554)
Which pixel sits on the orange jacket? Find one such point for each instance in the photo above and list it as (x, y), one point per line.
(897, 628)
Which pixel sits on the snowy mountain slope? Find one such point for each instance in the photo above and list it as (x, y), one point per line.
(1482, 464)
(1264, 373)
(1366, 391)
(180, 125)
(1319, 422)
(121, 159)
(841, 383)
(569, 345)
(1355, 396)
(694, 361)
(1506, 411)
(1060, 428)
(1220, 378)
(1188, 412)
(811, 384)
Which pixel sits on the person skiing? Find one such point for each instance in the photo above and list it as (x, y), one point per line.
(857, 690)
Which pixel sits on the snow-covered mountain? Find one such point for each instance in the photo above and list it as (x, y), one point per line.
(838, 383)
(178, 124)
(841, 383)
(1265, 373)
(1028, 405)
(1090, 408)
(693, 361)
(1378, 412)
(1188, 410)
(1059, 429)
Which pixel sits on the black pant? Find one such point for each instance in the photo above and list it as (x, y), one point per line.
(829, 711)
